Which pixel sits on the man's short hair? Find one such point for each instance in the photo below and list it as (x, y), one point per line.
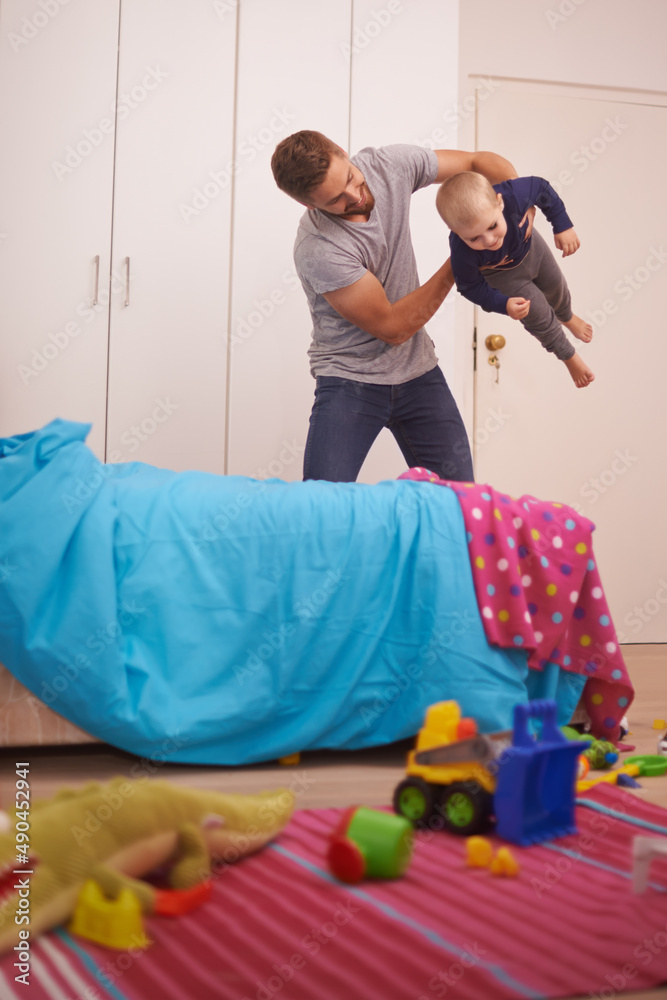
(301, 162)
(462, 198)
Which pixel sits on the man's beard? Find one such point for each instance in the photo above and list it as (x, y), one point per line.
(367, 206)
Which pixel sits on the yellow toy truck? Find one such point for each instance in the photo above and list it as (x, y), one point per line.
(451, 772)
(466, 777)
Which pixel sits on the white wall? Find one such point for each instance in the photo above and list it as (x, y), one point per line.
(611, 43)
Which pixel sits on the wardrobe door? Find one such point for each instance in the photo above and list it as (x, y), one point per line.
(171, 234)
(408, 53)
(57, 110)
(293, 73)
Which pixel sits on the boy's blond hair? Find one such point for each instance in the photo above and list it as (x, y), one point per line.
(462, 198)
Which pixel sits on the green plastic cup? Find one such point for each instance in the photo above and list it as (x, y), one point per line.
(384, 839)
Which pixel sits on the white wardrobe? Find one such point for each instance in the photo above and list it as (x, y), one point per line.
(146, 276)
(113, 306)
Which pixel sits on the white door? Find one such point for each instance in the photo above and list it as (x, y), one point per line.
(57, 95)
(171, 234)
(600, 449)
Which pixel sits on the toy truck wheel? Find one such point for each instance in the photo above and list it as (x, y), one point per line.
(465, 807)
(414, 799)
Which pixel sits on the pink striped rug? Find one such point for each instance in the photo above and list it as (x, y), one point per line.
(278, 925)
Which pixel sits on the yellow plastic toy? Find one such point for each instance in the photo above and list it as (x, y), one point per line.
(479, 852)
(115, 923)
(611, 777)
(504, 863)
(451, 763)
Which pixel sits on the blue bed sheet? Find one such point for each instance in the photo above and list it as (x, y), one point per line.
(224, 620)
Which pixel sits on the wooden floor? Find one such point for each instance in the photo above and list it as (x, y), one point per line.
(327, 778)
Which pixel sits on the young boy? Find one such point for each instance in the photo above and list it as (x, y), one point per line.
(495, 265)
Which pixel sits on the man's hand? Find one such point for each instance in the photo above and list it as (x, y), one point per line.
(517, 308)
(567, 241)
(530, 215)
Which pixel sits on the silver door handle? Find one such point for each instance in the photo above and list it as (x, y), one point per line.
(127, 281)
(96, 262)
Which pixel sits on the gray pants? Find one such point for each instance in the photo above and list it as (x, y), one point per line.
(539, 278)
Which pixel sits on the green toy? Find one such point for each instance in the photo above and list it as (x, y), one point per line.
(115, 833)
(369, 843)
(601, 754)
(649, 764)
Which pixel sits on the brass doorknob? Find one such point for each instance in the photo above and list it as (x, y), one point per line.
(494, 342)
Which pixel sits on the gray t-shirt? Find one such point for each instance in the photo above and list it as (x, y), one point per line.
(331, 253)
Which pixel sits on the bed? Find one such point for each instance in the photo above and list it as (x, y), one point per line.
(25, 721)
(225, 620)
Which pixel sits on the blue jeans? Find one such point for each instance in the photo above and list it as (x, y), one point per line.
(422, 415)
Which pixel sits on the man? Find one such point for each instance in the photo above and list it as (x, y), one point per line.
(374, 364)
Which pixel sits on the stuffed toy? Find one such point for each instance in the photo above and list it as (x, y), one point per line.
(116, 833)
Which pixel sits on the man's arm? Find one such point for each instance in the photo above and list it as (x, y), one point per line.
(365, 304)
(453, 161)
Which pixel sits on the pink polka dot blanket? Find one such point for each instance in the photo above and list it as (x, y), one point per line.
(538, 587)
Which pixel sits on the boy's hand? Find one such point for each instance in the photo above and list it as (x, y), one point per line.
(517, 308)
(567, 241)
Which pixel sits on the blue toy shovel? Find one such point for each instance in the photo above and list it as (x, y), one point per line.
(534, 799)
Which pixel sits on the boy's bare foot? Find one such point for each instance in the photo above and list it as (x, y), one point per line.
(579, 370)
(580, 329)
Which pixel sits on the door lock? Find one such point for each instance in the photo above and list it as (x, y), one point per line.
(494, 360)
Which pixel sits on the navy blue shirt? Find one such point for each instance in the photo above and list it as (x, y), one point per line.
(518, 196)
